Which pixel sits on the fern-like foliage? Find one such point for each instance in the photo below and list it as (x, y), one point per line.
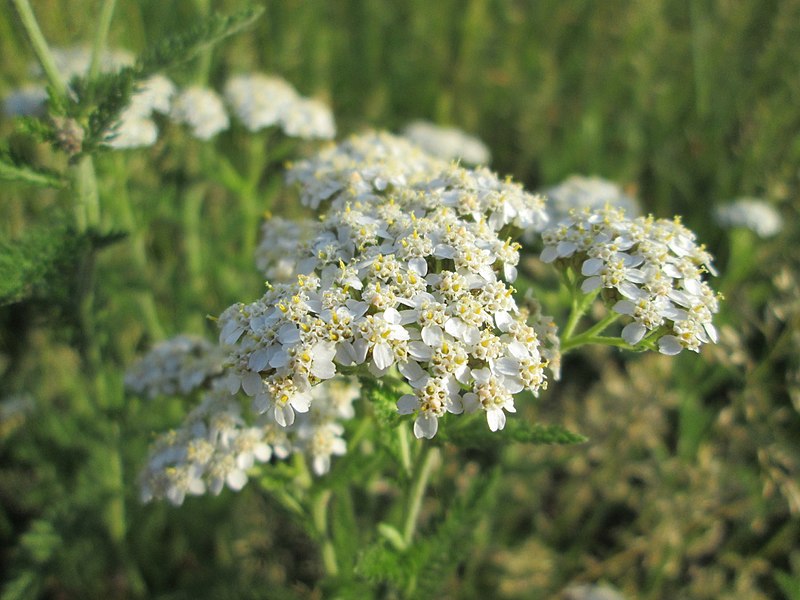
(423, 569)
(13, 168)
(41, 263)
(475, 434)
(184, 46)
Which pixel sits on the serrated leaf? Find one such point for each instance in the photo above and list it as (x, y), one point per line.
(108, 96)
(381, 563)
(437, 556)
(382, 396)
(11, 170)
(184, 46)
(38, 129)
(40, 263)
(476, 434)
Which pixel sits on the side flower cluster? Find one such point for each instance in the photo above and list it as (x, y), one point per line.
(648, 269)
(257, 100)
(407, 271)
(178, 365)
(261, 101)
(216, 447)
(754, 214)
(219, 443)
(577, 192)
(449, 143)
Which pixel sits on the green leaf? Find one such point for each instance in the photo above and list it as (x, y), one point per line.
(790, 585)
(436, 557)
(105, 98)
(381, 562)
(476, 434)
(184, 46)
(25, 586)
(42, 262)
(13, 169)
(382, 394)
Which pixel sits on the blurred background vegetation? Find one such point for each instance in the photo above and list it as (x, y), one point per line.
(690, 484)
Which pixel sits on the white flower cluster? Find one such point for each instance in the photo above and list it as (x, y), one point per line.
(578, 192)
(258, 100)
(277, 254)
(261, 101)
(406, 270)
(651, 269)
(750, 213)
(136, 127)
(216, 447)
(202, 110)
(448, 143)
(175, 366)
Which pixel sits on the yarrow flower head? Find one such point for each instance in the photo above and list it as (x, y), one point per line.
(202, 110)
(260, 101)
(578, 192)
(407, 271)
(175, 366)
(217, 446)
(448, 143)
(749, 213)
(648, 269)
(278, 253)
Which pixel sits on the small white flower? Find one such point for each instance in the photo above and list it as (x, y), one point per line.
(448, 143)
(750, 213)
(202, 110)
(309, 119)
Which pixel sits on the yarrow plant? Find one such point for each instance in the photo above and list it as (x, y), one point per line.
(391, 306)
(406, 276)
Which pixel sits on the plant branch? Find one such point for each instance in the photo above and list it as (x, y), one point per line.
(40, 46)
(100, 37)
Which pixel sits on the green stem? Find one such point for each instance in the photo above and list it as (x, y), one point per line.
(204, 58)
(422, 472)
(249, 196)
(319, 513)
(87, 202)
(580, 304)
(192, 209)
(405, 450)
(40, 46)
(100, 37)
